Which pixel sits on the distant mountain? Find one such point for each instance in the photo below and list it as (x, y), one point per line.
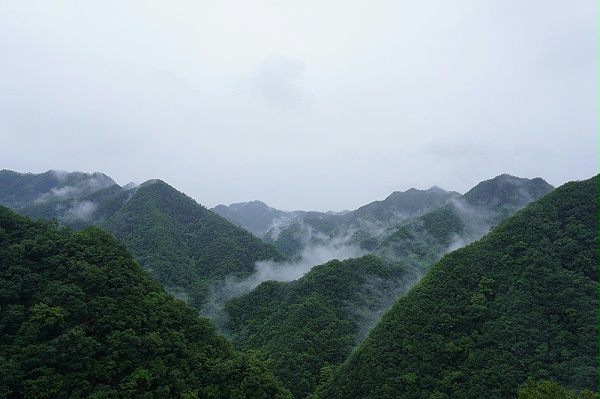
(81, 319)
(256, 216)
(520, 303)
(462, 220)
(185, 246)
(427, 222)
(76, 199)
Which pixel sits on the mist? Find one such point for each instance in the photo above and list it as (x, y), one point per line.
(270, 270)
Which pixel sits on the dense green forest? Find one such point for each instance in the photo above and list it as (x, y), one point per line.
(520, 303)
(80, 318)
(304, 329)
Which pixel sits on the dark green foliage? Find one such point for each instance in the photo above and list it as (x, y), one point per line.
(79, 318)
(304, 329)
(551, 390)
(522, 302)
(426, 237)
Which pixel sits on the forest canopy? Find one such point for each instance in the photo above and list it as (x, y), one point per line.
(80, 318)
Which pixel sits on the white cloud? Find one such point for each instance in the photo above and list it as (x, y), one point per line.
(342, 102)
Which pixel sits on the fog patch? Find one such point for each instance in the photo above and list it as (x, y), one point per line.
(456, 243)
(82, 210)
(278, 224)
(270, 270)
(311, 256)
(90, 184)
(60, 175)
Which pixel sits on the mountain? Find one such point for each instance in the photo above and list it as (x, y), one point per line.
(305, 328)
(332, 307)
(256, 216)
(460, 221)
(520, 303)
(81, 319)
(75, 199)
(185, 246)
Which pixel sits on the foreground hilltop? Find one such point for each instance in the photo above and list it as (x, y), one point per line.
(81, 319)
(520, 303)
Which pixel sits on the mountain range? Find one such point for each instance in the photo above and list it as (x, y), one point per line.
(192, 251)
(426, 222)
(306, 331)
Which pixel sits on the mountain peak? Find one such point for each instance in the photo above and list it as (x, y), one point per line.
(507, 190)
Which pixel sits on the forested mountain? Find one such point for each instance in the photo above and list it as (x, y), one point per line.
(185, 246)
(520, 303)
(462, 220)
(304, 329)
(79, 318)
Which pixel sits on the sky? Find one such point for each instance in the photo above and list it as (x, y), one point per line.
(311, 105)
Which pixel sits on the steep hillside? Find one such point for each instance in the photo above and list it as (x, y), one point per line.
(303, 329)
(81, 319)
(521, 302)
(461, 220)
(184, 245)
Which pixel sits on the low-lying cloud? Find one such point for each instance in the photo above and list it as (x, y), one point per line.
(266, 270)
(82, 210)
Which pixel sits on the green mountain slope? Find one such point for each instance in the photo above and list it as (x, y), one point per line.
(303, 329)
(184, 245)
(79, 318)
(521, 302)
(463, 219)
(363, 227)
(403, 222)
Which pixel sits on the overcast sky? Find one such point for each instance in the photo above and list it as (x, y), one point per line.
(313, 105)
